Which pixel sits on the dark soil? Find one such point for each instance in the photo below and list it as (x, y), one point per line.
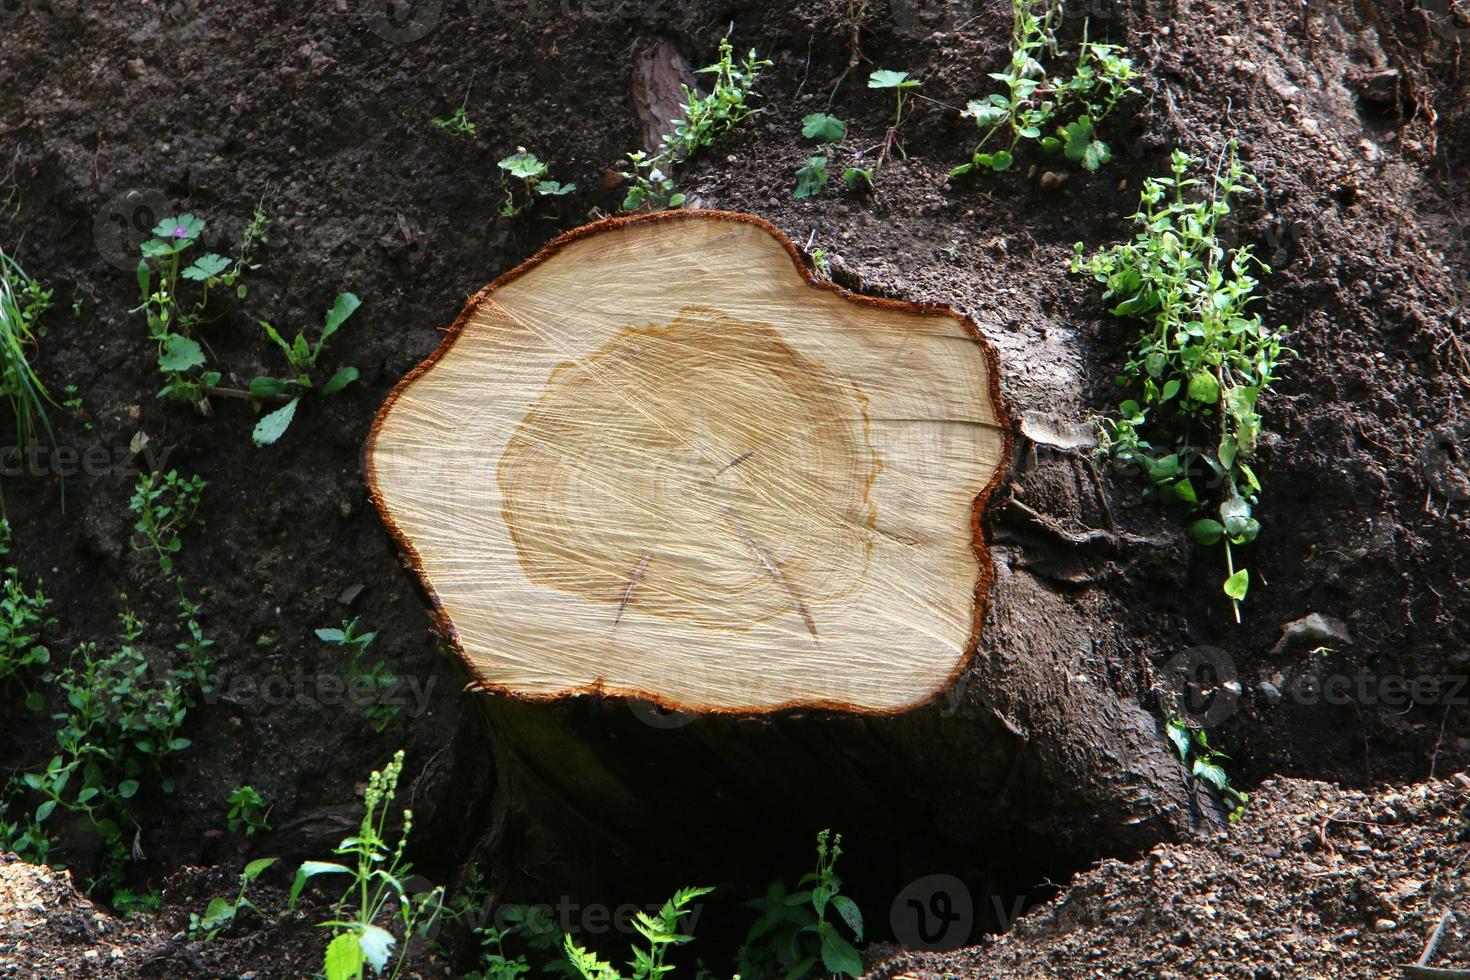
(1356, 120)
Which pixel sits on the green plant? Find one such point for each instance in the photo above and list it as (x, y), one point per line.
(118, 727)
(1193, 746)
(900, 83)
(22, 302)
(172, 320)
(524, 180)
(220, 912)
(706, 118)
(302, 357)
(661, 931)
(22, 617)
(1199, 368)
(164, 505)
(378, 892)
(247, 811)
(792, 934)
(811, 177)
(377, 679)
(457, 123)
(130, 904)
(1032, 102)
(531, 925)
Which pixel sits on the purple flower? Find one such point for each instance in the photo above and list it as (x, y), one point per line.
(180, 231)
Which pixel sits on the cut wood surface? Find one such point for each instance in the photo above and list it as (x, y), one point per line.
(659, 460)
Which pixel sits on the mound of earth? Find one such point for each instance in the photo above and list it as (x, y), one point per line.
(1315, 881)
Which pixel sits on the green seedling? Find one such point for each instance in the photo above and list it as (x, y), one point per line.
(660, 931)
(1200, 366)
(457, 123)
(377, 679)
(793, 934)
(221, 912)
(302, 356)
(164, 505)
(173, 320)
(524, 179)
(378, 890)
(22, 618)
(247, 811)
(811, 177)
(1203, 762)
(901, 85)
(1032, 103)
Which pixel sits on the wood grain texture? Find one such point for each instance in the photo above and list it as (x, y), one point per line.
(659, 460)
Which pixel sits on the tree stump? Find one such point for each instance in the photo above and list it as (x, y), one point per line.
(662, 465)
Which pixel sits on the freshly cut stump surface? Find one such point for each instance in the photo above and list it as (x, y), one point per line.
(659, 460)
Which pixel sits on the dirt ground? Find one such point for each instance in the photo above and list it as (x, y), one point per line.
(1355, 118)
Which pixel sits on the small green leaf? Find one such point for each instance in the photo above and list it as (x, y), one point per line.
(838, 955)
(883, 78)
(266, 387)
(344, 958)
(254, 869)
(44, 810)
(811, 177)
(127, 788)
(343, 378)
(1001, 160)
(1204, 388)
(180, 354)
(310, 869)
(850, 913)
(342, 307)
(1206, 531)
(206, 267)
(1179, 735)
(1237, 584)
(272, 426)
(823, 128)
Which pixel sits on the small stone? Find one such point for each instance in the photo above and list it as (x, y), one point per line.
(1051, 180)
(1269, 692)
(1385, 925)
(135, 68)
(1315, 627)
